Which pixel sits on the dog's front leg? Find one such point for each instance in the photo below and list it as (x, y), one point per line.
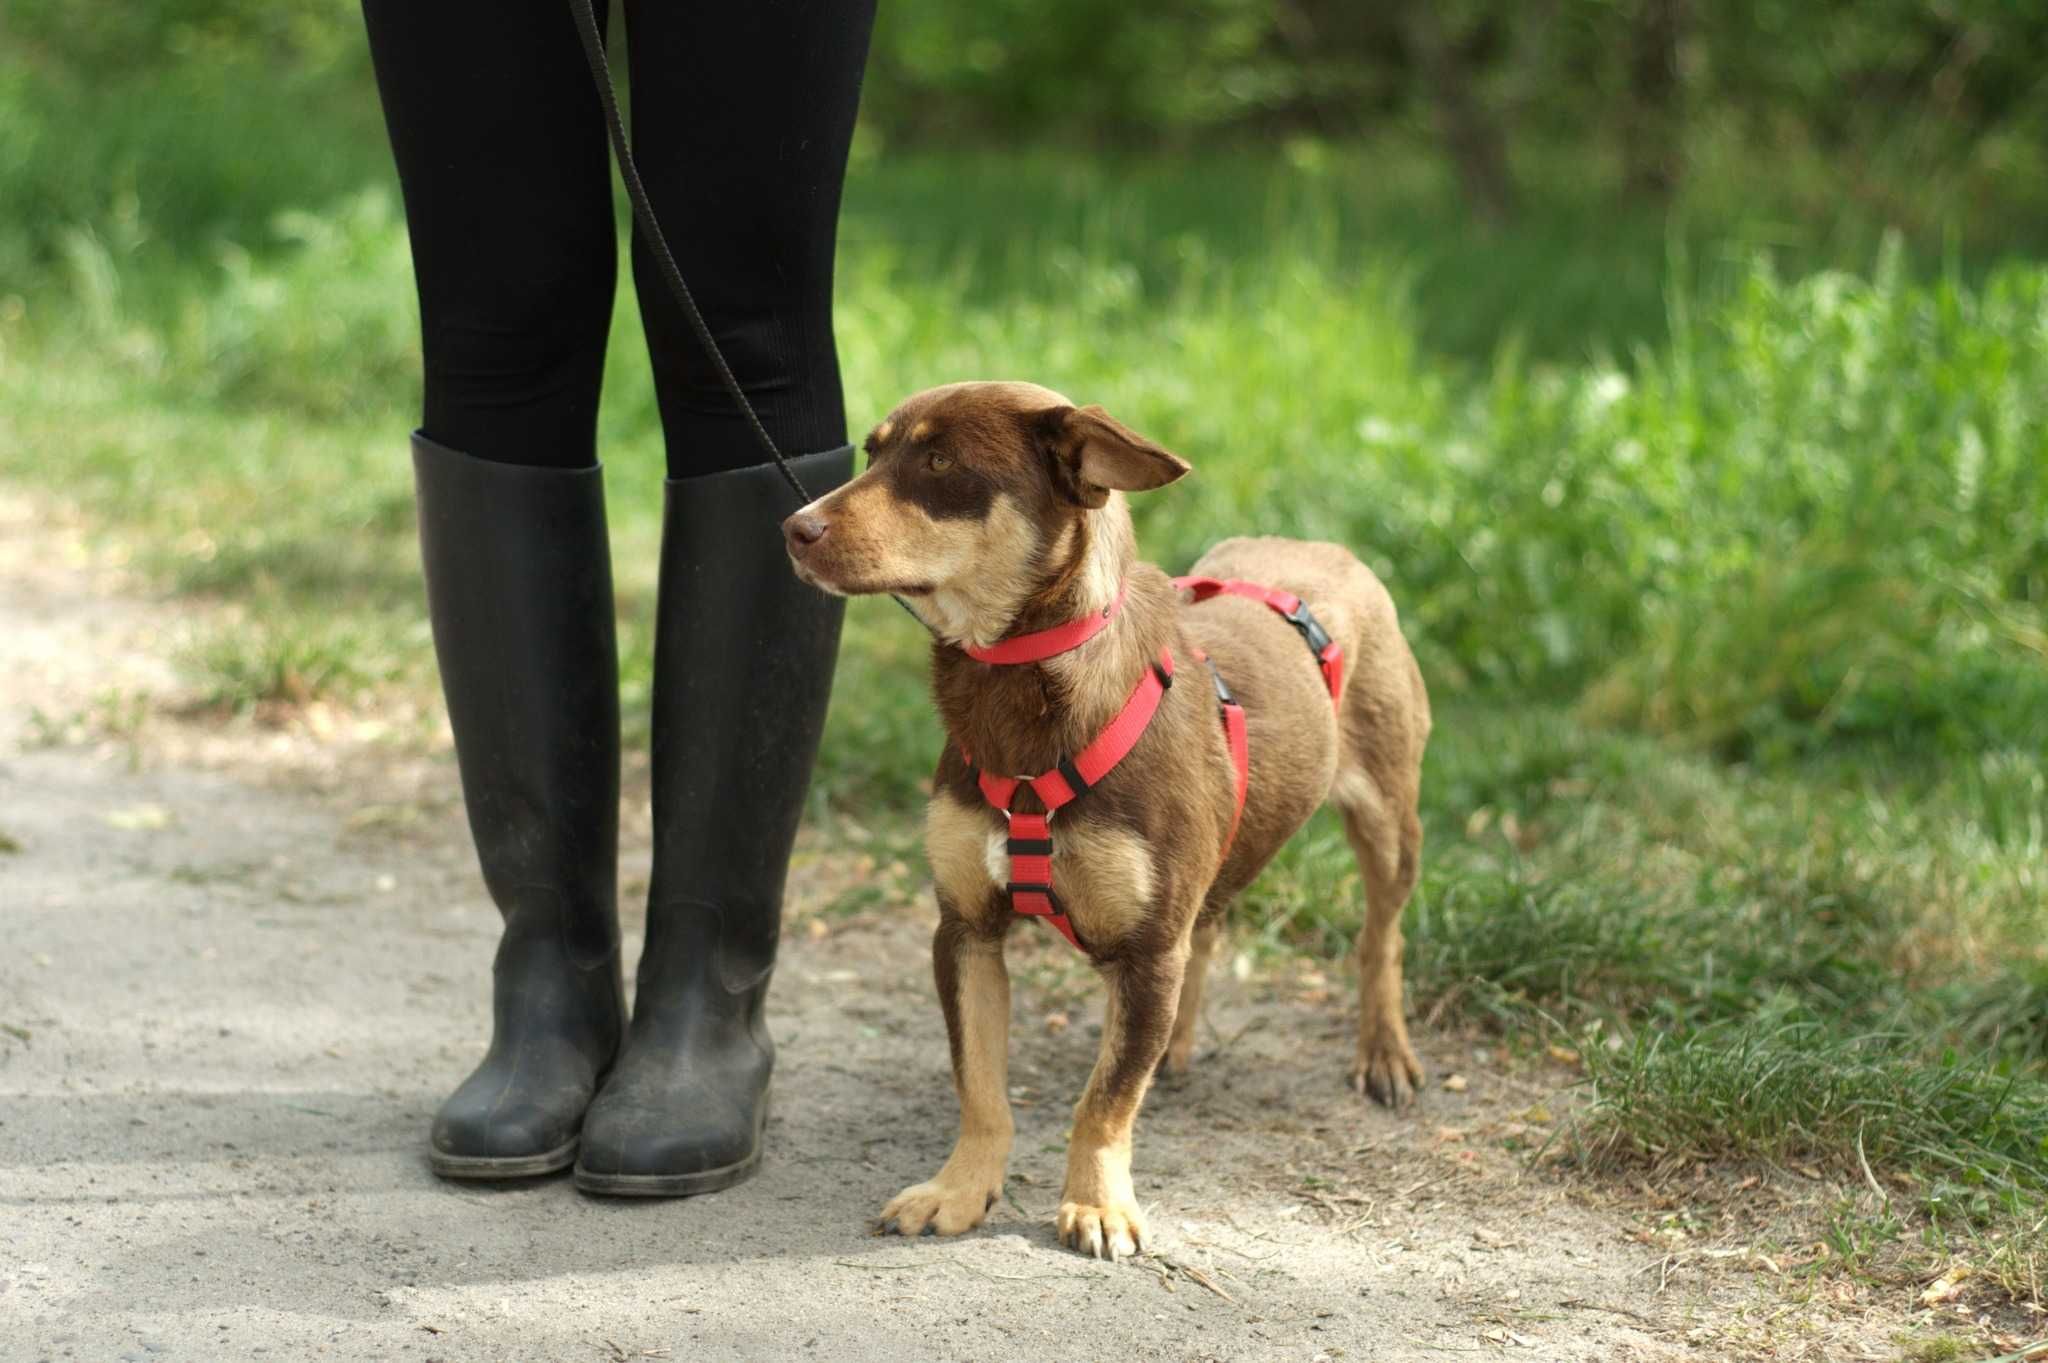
(1098, 1211)
(974, 992)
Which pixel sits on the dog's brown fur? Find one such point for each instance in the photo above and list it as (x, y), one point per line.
(995, 509)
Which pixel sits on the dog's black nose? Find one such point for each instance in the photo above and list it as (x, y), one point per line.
(803, 530)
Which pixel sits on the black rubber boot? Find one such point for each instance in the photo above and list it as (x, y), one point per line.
(742, 670)
(519, 589)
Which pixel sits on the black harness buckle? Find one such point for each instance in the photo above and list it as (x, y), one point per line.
(1224, 695)
(1312, 630)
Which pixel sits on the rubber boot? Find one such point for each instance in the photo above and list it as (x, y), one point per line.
(742, 670)
(519, 590)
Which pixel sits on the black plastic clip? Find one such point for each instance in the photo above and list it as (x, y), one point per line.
(1311, 629)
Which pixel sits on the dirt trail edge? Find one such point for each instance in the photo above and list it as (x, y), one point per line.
(231, 996)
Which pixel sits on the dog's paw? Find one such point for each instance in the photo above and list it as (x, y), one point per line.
(1387, 1071)
(1113, 1231)
(939, 1207)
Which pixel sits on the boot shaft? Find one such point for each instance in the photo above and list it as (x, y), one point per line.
(519, 593)
(744, 656)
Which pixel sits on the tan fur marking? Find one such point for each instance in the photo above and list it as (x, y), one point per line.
(921, 430)
(1103, 874)
(975, 606)
(1092, 686)
(1188, 1016)
(955, 839)
(871, 530)
(959, 1196)
(1111, 545)
(884, 431)
(1358, 796)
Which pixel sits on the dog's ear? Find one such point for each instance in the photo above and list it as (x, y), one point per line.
(1092, 453)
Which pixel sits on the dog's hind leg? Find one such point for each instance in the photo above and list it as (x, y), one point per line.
(1180, 1049)
(974, 992)
(1386, 838)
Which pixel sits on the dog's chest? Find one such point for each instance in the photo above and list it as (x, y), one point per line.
(1103, 873)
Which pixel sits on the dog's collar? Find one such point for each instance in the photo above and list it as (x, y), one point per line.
(1039, 645)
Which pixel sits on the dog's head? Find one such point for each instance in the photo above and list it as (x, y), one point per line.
(976, 496)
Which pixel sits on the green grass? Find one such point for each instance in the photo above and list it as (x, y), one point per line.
(1723, 541)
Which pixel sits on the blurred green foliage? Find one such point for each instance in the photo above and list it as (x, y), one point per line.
(1911, 88)
(107, 42)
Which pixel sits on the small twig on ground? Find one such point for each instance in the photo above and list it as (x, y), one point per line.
(1581, 1304)
(1663, 1267)
(1252, 1233)
(1165, 1278)
(1414, 1188)
(1231, 1040)
(1218, 1244)
(1359, 1222)
(1196, 1276)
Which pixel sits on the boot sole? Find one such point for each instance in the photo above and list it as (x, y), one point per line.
(488, 1167)
(667, 1185)
(678, 1185)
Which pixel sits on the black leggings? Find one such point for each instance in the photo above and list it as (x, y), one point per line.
(742, 111)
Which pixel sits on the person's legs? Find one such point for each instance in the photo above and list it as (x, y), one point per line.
(744, 113)
(502, 158)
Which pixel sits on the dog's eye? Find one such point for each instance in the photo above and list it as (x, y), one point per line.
(939, 463)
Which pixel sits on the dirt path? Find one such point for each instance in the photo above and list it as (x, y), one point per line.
(242, 965)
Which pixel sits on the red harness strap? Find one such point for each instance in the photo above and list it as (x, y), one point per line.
(1329, 656)
(1045, 643)
(1030, 840)
(1238, 741)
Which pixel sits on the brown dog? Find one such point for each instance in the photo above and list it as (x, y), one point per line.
(993, 509)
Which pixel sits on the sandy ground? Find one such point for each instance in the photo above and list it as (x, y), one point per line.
(242, 964)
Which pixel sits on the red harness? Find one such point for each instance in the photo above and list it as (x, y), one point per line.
(1329, 656)
(1046, 643)
(1030, 834)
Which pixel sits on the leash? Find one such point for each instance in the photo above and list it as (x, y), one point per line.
(672, 275)
(665, 259)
